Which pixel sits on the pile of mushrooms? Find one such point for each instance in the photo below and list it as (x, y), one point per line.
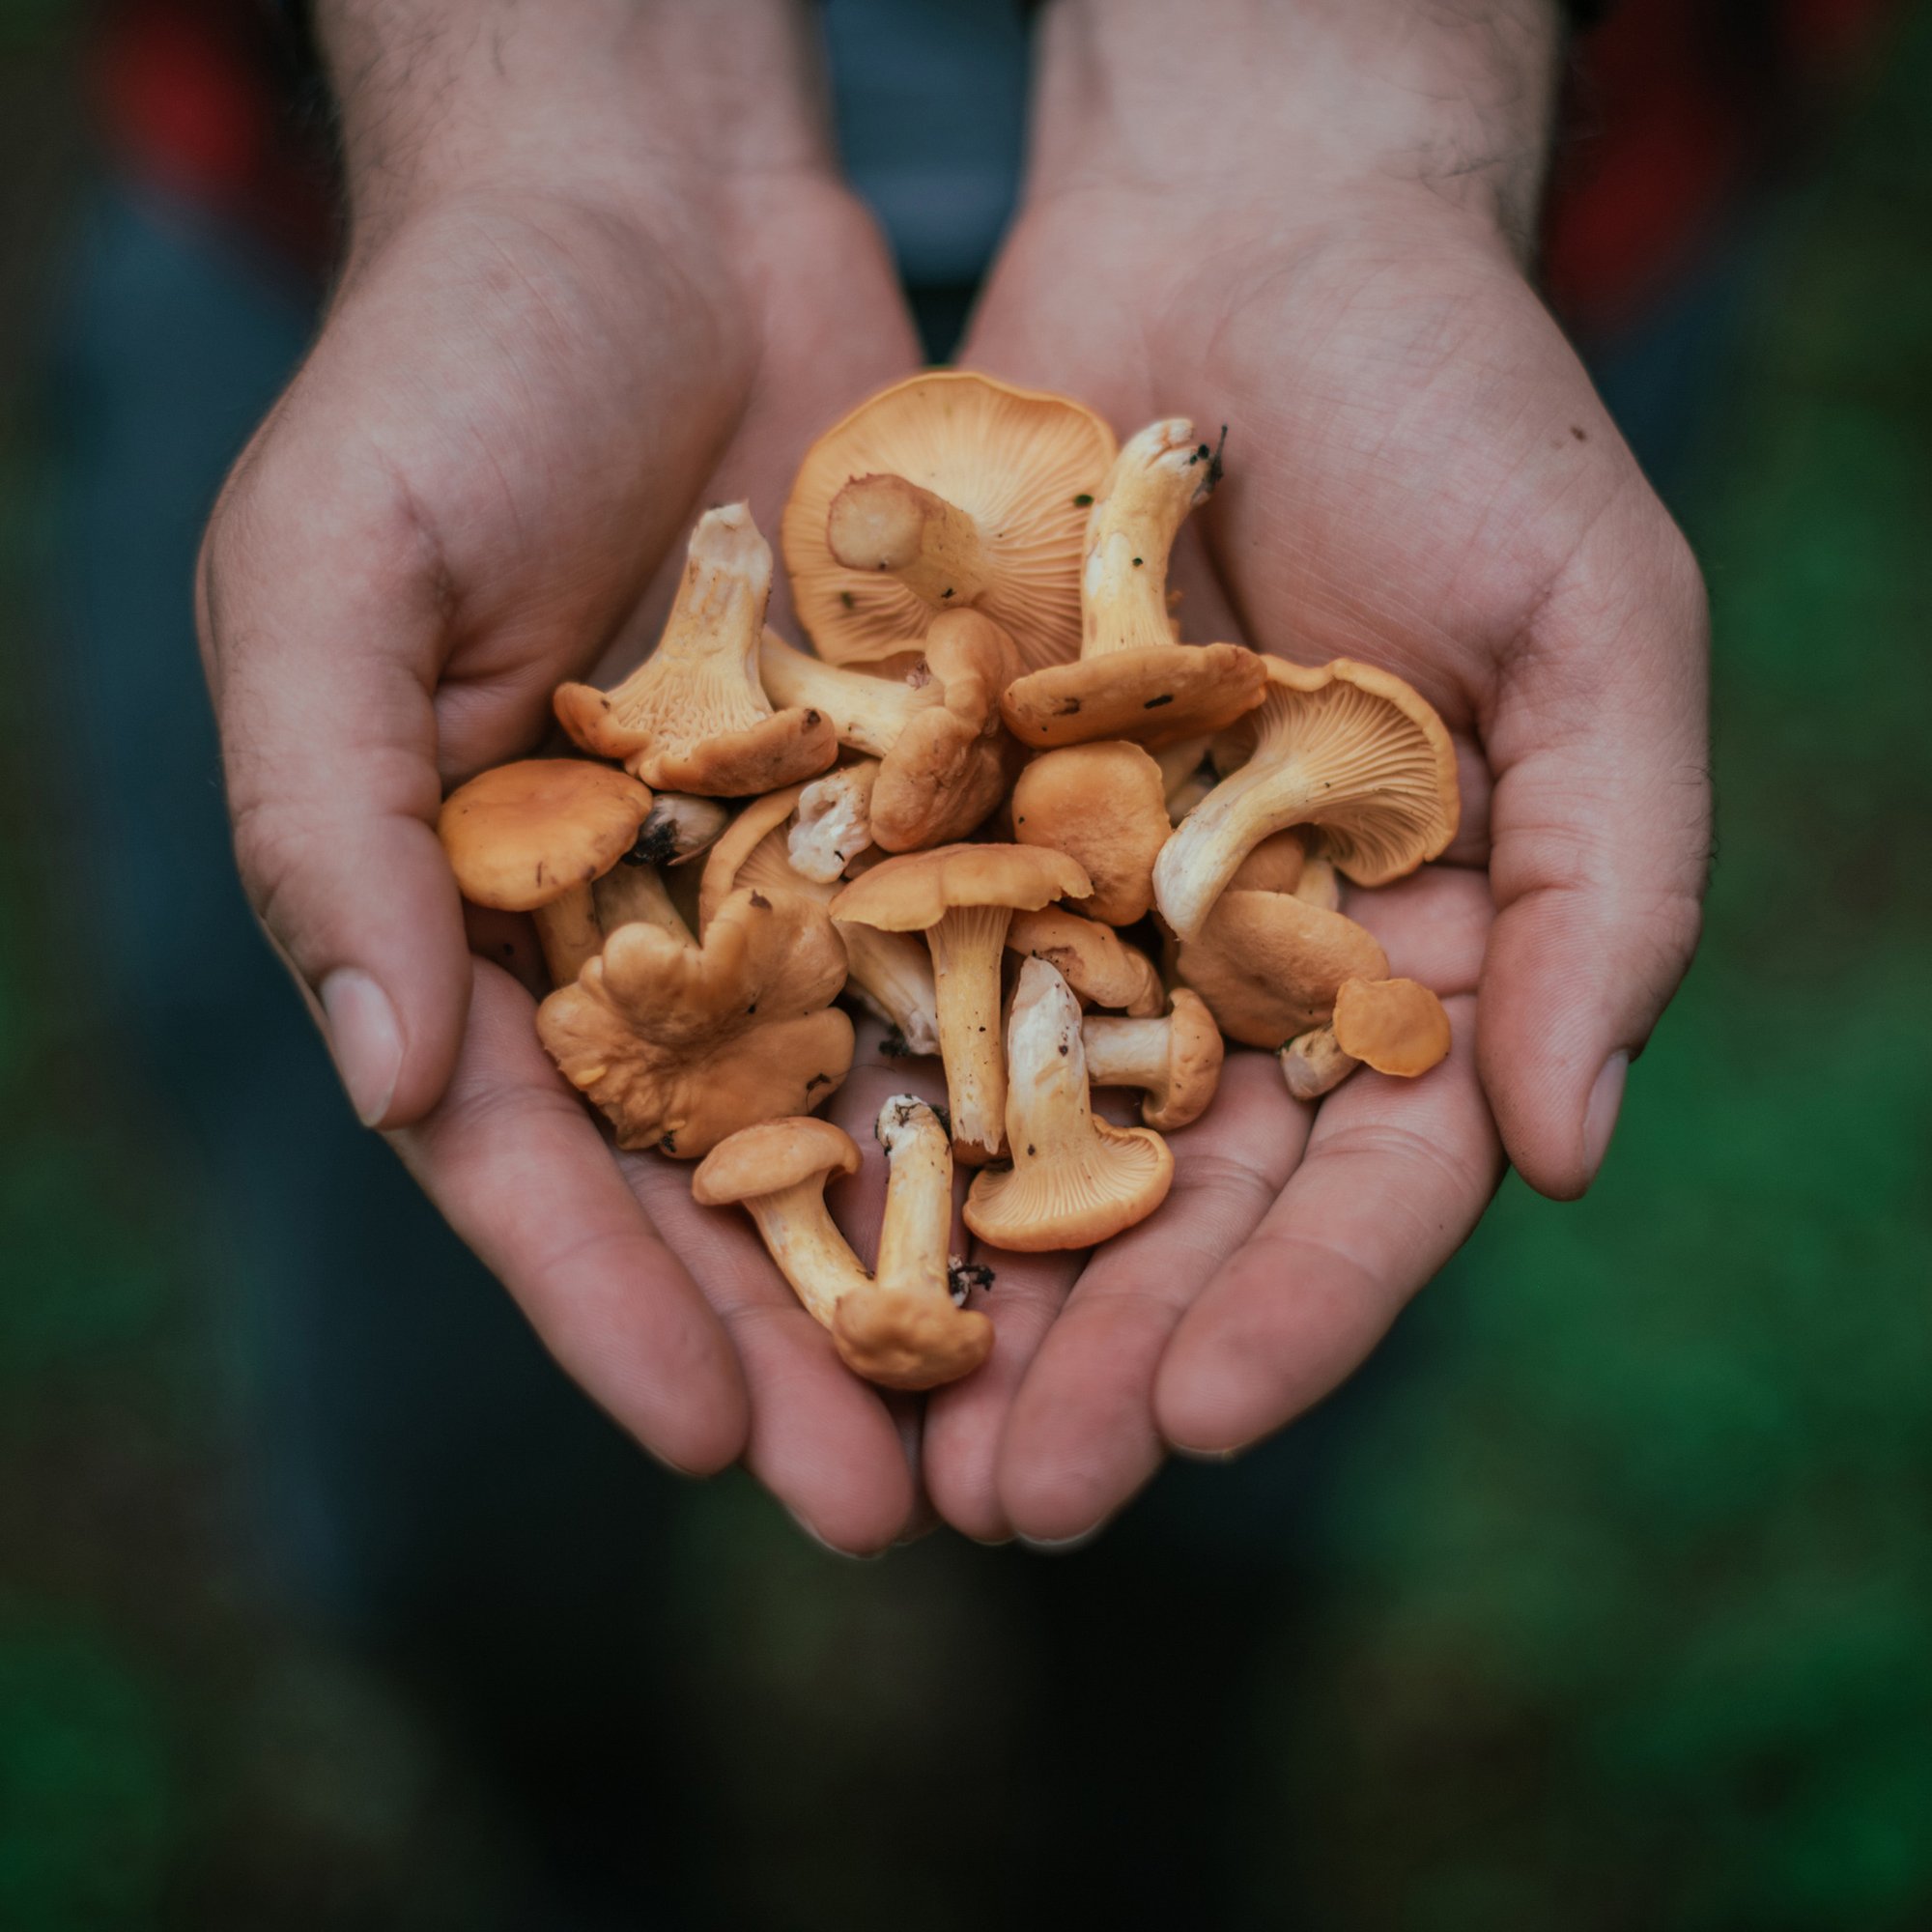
(999, 805)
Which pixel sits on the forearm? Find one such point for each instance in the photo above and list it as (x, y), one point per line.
(592, 97)
(1307, 97)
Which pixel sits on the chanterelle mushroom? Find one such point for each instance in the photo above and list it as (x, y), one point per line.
(1346, 747)
(891, 972)
(962, 897)
(1074, 1179)
(947, 490)
(1268, 965)
(902, 1328)
(1105, 806)
(943, 749)
(833, 821)
(693, 717)
(679, 828)
(1132, 679)
(1313, 1063)
(1396, 1026)
(533, 837)
(1094, 960)
(681, 1046)
(1176, 1061)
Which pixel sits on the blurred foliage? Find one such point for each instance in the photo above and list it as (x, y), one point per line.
(1621, 1618)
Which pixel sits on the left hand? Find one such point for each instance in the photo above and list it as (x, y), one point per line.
(1419, 475)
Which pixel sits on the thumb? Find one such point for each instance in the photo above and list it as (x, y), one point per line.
(321, 632)
(1599, 844)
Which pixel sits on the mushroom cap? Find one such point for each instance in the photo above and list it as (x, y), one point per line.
(523, 834)
(1195, 1051)
(1151, 695)
(1105, 806)
(1268, 965)
(1277, 864)
(917, 890)
(1396, 1026)
(1094, 960)
(681, 1046)
(907, 1342)
(1017, 460)
(771, 1157)
(742, 837)
(947, 771)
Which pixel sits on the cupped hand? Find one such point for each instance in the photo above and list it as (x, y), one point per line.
(1418, 475)
(521, 394)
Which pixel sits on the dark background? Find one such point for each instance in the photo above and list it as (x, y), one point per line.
(1605, 1604)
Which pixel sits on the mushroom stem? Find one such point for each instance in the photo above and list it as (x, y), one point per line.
(568, 931)
(1124, 1053)
(902, 1329)
(933, 547)
(967, 944)
(834, 822)
(812, 1254)
(1313, 1063)
(1207, 846)
(679, 827)
(868, 713)
(1161, 474)
(628, 894)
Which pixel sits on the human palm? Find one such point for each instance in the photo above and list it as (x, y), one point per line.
(1420, 476)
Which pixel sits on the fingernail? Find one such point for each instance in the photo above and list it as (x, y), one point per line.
(365, 1040)
(1059, 1545)
(1209, 1455)
(1600, 1119)
(832, 1548)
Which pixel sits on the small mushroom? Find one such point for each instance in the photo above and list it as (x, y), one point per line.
(902, 1328)
(945, 491)
(629, 892)
(891, 972)
(963, 897)
(1094, 960)
(1275, 865)
(1346, 747)
(1074, 1179)
(1396, 1026)
(693, 717)
(1320, 884)
(1268, 965)
(943, 750)
(1131, 679)
(1313, 1063)
(777, 1172)
(681, 1046)
(531, 836)
(1176, 1061)
(833, 821)
(681, 827)
(1105, 806)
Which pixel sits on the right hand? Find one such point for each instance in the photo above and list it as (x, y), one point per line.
(532, 373)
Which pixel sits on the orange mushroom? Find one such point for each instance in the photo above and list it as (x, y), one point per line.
(1396, 1026)
(1105, 806)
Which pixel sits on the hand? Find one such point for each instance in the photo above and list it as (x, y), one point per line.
(579, 302)
(1307, 223)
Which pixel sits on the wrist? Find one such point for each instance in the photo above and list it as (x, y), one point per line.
(618, 104)
(1330, 107)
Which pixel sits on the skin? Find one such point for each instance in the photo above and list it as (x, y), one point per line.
(601, 273)
(1309, 221)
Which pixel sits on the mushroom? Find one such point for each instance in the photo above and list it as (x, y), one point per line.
(1346, 747)
(833, 821)
(1094, 960)
(682, 1044)
(902, 1328)
(1396, 1026)
(1319, 884)
(1268, 965)
(694, 717)
(891, 972)
(1176, 1061)
(531, 836)
(1074, 1179)
(1275, 865)
(947, 490)
(1105, 806)
(943, 750)
(1313, 1063)
(679, 828)
(1132, 680)
(632, 892)
(963, 897)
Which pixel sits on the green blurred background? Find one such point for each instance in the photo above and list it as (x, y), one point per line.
(1615, 1608)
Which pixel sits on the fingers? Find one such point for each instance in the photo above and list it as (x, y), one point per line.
(1395, 1176)
(1082, 1437)
(524, 1177)
(1601, 837)
(320, 633)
